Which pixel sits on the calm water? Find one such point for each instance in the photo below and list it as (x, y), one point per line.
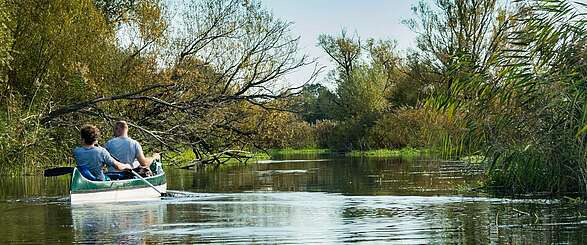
(331, 202)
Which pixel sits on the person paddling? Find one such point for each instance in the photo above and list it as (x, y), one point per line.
(90, 157)
(128, 150)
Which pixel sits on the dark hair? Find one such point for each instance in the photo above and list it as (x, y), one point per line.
(90, 134)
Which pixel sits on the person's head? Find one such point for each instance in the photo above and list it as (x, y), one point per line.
(120, 129)
(90, 134)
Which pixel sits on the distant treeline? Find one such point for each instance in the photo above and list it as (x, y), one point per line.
(506, 80)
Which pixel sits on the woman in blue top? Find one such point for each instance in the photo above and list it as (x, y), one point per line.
(90, 158)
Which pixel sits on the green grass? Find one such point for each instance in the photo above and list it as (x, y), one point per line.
(261, 155)
(382, 153)
(404, 152)
(290, 151)
(474, 159)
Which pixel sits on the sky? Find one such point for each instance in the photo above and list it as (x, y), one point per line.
(379, 19)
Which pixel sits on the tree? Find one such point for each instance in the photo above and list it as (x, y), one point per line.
(223, 54)
(345, 51)
(360, 86)
(364, 76)
(62, 52)
(460, 40)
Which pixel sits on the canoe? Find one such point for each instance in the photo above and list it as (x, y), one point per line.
(83, 190)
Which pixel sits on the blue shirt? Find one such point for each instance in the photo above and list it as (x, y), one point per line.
(123, 149)
(93, 158)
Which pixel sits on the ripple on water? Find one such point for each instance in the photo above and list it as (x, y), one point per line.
(319, 217)
(354, 201)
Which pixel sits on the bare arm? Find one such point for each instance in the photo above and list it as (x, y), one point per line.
(146, 161)
(121, 166)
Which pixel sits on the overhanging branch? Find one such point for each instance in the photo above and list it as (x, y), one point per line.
(84, 104)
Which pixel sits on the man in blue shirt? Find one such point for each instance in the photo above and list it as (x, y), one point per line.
(90, 158)
(128, 150)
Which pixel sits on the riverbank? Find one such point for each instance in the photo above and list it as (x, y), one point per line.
(186, 158)
(179, 160)
(407, 152)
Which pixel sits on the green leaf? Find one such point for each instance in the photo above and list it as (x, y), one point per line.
(582, 131)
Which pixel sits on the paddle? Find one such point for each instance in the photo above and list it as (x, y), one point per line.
(57, 171)
(148, 183)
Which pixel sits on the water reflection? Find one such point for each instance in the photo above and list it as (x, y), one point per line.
(338, 201)
(351, 176)
(116, 223)
(303, 217)
(30, 187)
(256, 217)
(35, 223)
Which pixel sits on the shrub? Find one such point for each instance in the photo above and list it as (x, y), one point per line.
(285, 130)
(416, 128)
(343, 135)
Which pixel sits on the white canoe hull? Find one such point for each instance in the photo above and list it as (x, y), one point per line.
(128, 195)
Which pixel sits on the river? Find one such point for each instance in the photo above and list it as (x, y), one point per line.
(332, 201)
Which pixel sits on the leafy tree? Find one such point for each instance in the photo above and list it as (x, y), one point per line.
(180, 85)
(460, 41)
(360, 86)
(223, 54)
(317, 103)
(345, 51)
(364, 77)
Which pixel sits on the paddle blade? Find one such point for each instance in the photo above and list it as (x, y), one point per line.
(58, 171)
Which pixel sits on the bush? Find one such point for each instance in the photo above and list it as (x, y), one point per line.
(532, 170)
(416, 128)
(26, 147)
(324, 133)
(285, 130)
(343, 135)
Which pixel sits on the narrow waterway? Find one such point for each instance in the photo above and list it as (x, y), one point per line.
(331, 201)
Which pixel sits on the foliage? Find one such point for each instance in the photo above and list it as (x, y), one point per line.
(416, 128)
(5, 37)
(290, 151)
(360, 86)
(325, 137)
(545, 79)
(316, 103)
(279, 129)
(522, 93)
(47, 66)
(25, 145)
(363, 77)
(75, 62)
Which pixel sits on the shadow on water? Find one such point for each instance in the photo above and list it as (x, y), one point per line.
(342, 200)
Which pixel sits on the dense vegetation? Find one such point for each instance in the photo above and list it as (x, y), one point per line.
(505, 80)
(189, 75)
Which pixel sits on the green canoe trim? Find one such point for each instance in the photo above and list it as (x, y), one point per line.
(79, 184)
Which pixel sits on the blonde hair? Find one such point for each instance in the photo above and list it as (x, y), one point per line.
(119, 128)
